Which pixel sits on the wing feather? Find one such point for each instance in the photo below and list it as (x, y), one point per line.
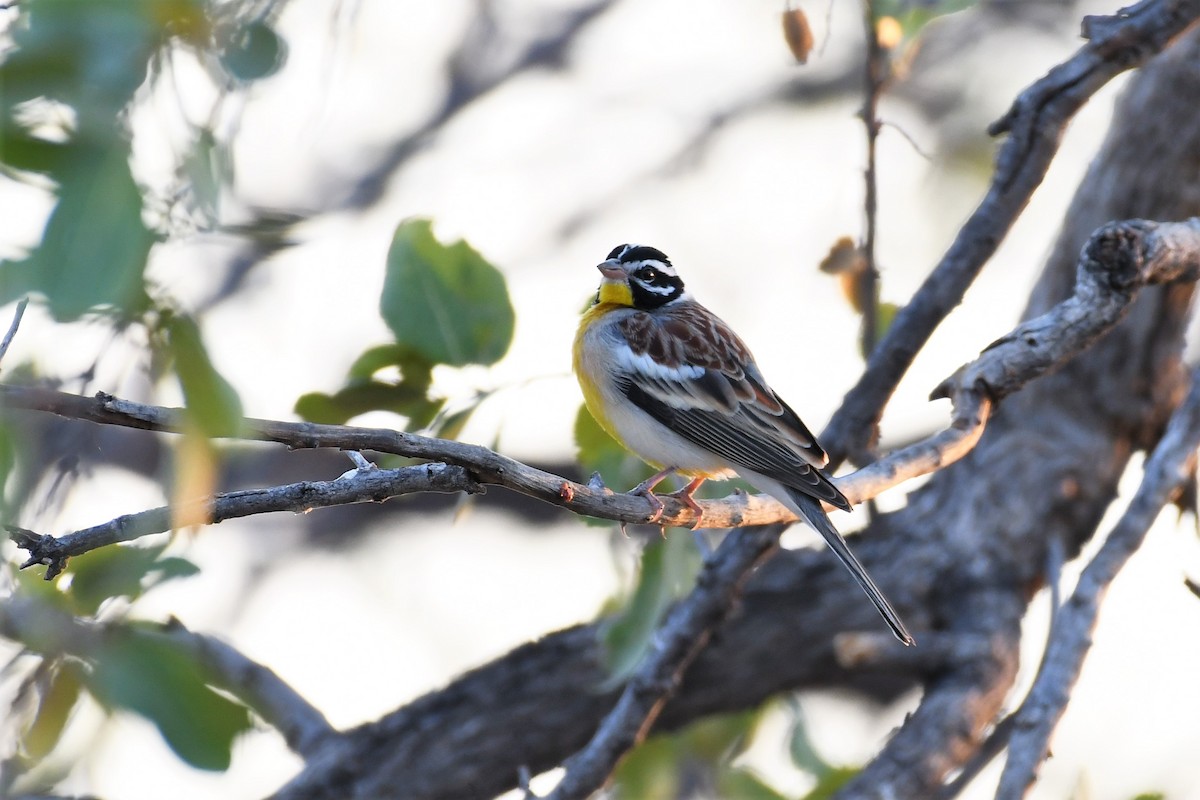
(690, 372)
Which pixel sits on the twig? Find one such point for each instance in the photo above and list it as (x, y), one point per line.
(12, 329)
(1035, 123)
(52, 632)
(365, 486)
(1071, 635)
(875, 73)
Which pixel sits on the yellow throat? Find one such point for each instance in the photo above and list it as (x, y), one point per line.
(612, 296)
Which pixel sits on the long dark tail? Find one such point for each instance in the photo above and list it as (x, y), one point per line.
(810, 509)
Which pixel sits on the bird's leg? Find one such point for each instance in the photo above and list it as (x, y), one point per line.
(645, 490)
(684, 496)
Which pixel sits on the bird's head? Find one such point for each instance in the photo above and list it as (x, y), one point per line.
(638, 276)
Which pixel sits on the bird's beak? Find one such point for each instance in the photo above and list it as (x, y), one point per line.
(612, 270)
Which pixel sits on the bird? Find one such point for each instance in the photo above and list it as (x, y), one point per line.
(674, 385)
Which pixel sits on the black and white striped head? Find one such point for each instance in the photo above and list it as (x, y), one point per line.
(638, 276)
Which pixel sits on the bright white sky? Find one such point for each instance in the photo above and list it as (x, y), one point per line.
(746, 222)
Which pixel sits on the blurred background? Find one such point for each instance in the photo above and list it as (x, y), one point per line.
(274, 147)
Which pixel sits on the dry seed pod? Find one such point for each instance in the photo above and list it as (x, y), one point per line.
(797, 34)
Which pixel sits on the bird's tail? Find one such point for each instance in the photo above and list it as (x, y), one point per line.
(810, 508)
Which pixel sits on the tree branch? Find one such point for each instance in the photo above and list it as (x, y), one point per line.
(51, 632)
(1117, 262)
(1035, 123)
(1167, 469)
(360, 486)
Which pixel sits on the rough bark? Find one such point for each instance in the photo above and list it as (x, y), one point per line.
(960, 561)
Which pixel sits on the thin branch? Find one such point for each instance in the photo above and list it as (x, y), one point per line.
(54, 633)
(12, 329)
(875, 73)
(1035, 123)
(363, 486)
(1117, 262)
(1167, 468)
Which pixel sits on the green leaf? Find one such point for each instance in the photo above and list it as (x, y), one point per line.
(913, 17)
(94, 247)
(800, 747)
(363, 392)
(830, 783)
(212, 402)
(885, 315)
(121, 571)
(148, 675)
(445, 301)
(650, 770)
(55, 705)
(745, 785)
(91, 55)
(451, 425)
(668, 570)
(360, 398)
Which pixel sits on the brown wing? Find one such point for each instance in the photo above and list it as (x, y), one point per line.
(701, 381)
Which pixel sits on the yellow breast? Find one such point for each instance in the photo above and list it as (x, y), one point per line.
(588, 380)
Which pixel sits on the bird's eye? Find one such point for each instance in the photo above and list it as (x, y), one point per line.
(649, 274)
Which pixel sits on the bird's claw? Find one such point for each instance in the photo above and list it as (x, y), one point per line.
(642, 490)
(685, 497)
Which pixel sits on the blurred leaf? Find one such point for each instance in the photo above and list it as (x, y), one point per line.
(445, 301)
(451, 425)
(57, 700)
(120, 571)
(408, 396)
(910, 17)
(804, 755)
(20, 150)
(360, 398)
(831, 783)
(31, 583)
(94, 247)
(195, 470)
(668, 570)
(800, 747)
(252, 52)
(10, 444)
(885, 315)
(212, 403)
(596, 451)
(1150, 796)
(651, 770)
(91, 55)
(745, 785)
(206, 169)
(415, 369)
(658, 766)
(148, 675)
